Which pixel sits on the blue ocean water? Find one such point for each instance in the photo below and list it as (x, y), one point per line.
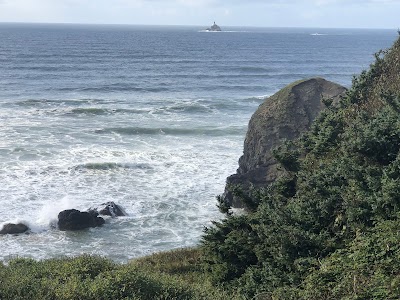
(152, 118)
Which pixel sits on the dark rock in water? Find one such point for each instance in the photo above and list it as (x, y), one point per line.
(283, 116)
(113, 210)
(11, 228)
(72, 219)
(214, 27)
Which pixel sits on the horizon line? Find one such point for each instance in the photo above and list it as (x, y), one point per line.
(182, 25)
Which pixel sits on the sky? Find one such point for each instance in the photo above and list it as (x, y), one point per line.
(258, 13)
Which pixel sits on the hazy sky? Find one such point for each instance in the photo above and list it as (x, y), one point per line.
(264, 13)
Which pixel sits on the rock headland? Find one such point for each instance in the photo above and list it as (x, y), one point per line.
(283, 116)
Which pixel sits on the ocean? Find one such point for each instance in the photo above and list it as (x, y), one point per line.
(150, 117)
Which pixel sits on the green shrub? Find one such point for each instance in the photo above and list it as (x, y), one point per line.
(313, 233)
(170, 275)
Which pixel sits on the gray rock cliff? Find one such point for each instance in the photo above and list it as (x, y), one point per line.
(283, 116)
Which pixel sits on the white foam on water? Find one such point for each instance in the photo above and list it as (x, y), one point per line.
(167, 184)
(15, 221)
(228, 31)
(54, 160)
(262, 97)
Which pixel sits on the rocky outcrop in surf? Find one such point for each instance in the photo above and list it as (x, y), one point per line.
(113, 210)
(73, 219)
(11, 228)
(283, 116)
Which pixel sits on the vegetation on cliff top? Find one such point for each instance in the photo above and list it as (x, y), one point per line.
(327, 229)
(170, 275)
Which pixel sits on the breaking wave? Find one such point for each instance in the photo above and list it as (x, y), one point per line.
(115, 88)
(216, 131)
(104, 166)
(104, 111)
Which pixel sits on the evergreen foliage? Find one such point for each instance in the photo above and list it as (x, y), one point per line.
(327, 228)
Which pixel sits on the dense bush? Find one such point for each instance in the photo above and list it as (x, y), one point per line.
(327, 228)
(169, 275)
(367, 269)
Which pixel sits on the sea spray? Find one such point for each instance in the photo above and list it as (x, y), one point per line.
(47, 215)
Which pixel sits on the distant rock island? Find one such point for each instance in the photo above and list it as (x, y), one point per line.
(214, 27)
(283, 116)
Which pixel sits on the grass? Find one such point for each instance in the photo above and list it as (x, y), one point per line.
(174, 274)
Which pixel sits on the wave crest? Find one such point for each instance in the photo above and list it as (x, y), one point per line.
(216, 131)
(105, 166)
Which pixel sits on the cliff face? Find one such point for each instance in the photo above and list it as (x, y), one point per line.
(283, 116)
